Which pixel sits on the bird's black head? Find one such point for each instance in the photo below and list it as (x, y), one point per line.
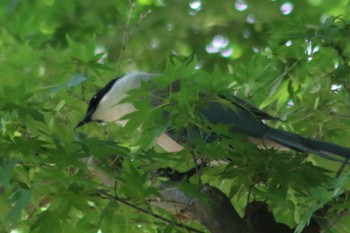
(95, 100)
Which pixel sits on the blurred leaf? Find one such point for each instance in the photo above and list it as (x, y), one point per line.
(110, 221)
(76, 80)
(20, 199)
(5, 172)
(47, 222)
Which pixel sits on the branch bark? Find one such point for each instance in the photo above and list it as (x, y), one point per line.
(213, 209)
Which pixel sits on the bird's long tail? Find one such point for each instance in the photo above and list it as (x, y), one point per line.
(307, 145)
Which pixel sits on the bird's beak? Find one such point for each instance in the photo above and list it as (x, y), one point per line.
(86, 120)
(81, 123)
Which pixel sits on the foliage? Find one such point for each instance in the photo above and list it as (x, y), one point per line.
(54, 55)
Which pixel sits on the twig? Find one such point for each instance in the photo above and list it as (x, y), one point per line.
(126, 35)
(142, 17)
(128, 31)
(148, 212)
(342, 167)
(198, 170)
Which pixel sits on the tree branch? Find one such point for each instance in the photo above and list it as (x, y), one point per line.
(105, 195)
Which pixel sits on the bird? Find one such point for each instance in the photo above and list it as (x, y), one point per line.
(240, 117)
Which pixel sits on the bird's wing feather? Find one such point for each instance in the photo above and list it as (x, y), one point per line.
(240, 103)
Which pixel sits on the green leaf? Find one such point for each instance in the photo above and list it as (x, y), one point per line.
(110, 221)
(20, 199)
(47, 222)
(6, 172)
(76, 80)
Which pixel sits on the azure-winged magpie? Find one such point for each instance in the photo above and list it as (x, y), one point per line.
(240, 117)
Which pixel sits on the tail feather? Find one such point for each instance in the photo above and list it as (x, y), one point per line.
(308, 145)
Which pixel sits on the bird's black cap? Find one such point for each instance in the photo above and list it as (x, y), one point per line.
(95, 100)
